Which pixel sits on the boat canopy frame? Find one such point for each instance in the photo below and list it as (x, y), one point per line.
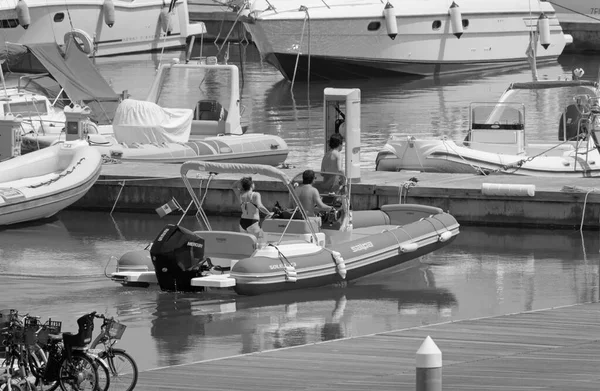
(214, 168)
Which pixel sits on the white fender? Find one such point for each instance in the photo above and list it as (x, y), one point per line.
(544, 30)
(109, 12)
(165, 20)
(456, 20)
(23, 14)
(444, 237)
(82, 38)
(389, 13)
(409, 247)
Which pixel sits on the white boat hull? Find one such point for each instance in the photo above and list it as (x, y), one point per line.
(40, 184)
(445, 156)
(137, 26)
(335, 43)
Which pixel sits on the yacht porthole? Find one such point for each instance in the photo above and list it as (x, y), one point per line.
(59, 17)
(436, 25)
(374, 26)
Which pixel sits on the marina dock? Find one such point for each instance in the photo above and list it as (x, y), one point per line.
(552, 349)
(556, 202)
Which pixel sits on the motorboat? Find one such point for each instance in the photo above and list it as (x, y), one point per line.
(297, 250)
(580, 19)
(201, 123)
(496, 141)
(352, 39)
(101, 27)
(42, 183)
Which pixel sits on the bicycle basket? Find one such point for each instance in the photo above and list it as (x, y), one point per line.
(116, 330)
(51, 327)
(30, 335)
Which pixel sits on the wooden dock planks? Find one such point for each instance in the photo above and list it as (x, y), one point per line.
(554, 349)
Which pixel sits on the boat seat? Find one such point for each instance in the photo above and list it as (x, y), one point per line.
(209, 110)
(295, 226)
(228, 244)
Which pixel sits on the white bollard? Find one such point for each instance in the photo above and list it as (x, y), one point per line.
(429, 366)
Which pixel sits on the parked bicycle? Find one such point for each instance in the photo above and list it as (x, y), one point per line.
(122, 367)
(50, 359)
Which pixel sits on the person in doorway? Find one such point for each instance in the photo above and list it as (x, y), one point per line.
(332, 162)
(309, 196)
(251, 204)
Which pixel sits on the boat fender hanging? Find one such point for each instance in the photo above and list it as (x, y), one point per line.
(456, 20)
(544, 30)
(391, 24)
(165, 20)
(445, 236)
(340, 264)
(82, 38)
(409, 247)
(109, 12)
(290, 274)
(23, 14)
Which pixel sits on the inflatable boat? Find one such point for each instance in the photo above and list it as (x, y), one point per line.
(42, 183)
(297, 251)
(496, 142)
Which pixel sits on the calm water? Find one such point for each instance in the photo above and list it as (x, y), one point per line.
(56, 268)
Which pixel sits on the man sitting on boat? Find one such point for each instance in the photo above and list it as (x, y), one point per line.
(309, 196)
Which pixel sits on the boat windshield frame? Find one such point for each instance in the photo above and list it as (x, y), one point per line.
(214, 168)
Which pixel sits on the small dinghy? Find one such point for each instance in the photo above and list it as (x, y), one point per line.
(496, 142)
(297, 251)
(42, 183)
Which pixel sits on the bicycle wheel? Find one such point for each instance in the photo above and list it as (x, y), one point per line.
(123, 369)
(78, 374)
(37, 365)
(103, 374)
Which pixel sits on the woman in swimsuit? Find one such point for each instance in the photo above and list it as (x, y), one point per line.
(251, 206)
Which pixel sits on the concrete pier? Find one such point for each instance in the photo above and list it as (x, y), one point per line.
(557, 202)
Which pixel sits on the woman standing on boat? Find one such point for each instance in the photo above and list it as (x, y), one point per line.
(251, 204)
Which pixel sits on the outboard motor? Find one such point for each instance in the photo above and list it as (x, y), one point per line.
(177, 254)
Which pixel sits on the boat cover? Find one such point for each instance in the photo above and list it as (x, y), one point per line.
(143, 122)
(73, 71)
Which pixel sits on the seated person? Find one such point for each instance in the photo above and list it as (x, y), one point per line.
(309, 196)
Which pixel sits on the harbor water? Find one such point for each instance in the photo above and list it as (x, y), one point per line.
(56, 268)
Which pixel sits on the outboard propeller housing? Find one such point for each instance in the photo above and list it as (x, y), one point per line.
(177, 254)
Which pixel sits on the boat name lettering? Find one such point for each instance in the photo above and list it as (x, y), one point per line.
(194, 244)
(221, 240)
(162, 235)
(361, 247)
(280, 266)
(595, 11)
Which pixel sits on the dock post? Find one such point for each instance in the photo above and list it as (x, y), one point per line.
(429, 366)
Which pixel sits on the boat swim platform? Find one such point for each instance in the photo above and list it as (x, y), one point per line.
(556, 202)
(550, 349)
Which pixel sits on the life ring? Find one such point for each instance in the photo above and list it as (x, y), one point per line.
(82, 38)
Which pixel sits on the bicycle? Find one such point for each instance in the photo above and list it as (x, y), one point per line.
(122, 367)
(66, 363)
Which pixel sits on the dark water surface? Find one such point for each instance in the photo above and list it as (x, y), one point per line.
(56, 268)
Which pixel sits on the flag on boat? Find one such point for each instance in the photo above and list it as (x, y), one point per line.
(168, 208)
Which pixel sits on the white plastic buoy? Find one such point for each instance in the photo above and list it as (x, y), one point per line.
(429, 366)
(391, 24)
(409, 248)
(456, 20)
(23, 14)
(544, 30)
(109, 12)
(501, 189)
(165, 20)
(444, 237)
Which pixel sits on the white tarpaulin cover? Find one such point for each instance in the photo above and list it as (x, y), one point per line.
(143, 122)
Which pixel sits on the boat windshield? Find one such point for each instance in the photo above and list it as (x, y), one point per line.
(327, 183)
(26, 108)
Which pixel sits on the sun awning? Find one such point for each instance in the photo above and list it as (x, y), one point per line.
(75, 73)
